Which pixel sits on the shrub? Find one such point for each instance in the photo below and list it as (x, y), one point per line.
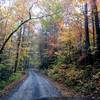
(13, 77)
(84, 80)
(68, 82)
(74, 74)
(56, 76)
(96, 76)
(4, 72)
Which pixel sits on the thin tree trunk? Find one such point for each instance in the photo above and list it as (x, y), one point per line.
(18, 48)
(87, 41)
(93, 29)
(96, 18)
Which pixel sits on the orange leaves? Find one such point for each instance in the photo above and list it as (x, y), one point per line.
(61, 24)
(70, 34)
(64, 37)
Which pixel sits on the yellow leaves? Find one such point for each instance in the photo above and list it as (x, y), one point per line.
(75, 2)
(24, 53)
(9, 44)
(61, 24)
(5, 13)
(98, 5)
(68, 36)
(59, 53)
(64, 37)
(73, 73)
(20, 9)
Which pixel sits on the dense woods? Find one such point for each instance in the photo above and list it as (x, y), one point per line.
(61, 37)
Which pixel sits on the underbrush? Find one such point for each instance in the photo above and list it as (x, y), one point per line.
(85, 80)
(13, 77)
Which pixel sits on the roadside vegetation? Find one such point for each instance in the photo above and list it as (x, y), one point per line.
(7, 81)
(82, 80)
(72, 50)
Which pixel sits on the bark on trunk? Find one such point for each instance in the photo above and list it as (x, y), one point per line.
(18, 48)
(96, 19)
(87, 41)
(93, 29)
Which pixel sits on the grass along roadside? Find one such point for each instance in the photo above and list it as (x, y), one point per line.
(14, 79)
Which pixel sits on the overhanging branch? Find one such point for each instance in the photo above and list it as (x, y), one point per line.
(30, 18)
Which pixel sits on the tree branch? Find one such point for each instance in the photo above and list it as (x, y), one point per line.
(30, 11)
(30, 18)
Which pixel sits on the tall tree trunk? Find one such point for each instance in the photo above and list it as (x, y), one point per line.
(18, 48)
(87, 41)
(96, 19)
(93, 30)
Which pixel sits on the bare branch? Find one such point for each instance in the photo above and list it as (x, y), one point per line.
(30, 11)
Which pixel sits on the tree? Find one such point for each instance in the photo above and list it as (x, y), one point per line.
(25, 21)
(87, 41)
(96, 19)
(18, 48)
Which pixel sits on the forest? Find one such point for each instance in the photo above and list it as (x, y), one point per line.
(60, 38)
